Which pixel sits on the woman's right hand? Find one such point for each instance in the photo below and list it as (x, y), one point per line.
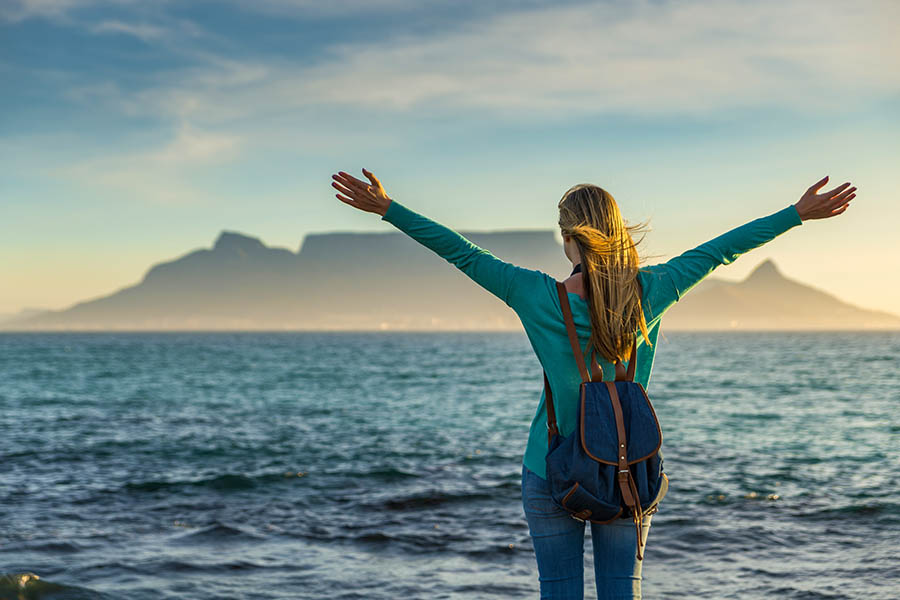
(828, 204)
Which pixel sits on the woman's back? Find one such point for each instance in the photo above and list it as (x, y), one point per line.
(532, 295)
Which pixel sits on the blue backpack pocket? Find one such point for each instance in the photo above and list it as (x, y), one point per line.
(597, 422)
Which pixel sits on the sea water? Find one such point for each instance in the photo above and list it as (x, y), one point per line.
(387, 465)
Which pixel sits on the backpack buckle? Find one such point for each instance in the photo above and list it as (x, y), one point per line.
(581, 515)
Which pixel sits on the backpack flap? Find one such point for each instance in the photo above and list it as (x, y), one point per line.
(599, 437)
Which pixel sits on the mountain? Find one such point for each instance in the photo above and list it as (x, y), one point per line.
(367, 281)
(25, 313)
(766, 299)
(335, 281)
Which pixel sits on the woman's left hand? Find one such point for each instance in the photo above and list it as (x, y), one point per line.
(369, 197)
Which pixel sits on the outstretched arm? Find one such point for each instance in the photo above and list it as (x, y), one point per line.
(673, 279)
(505, 280)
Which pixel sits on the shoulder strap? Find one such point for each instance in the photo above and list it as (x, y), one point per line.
(632, 362)
(551, 412)
(570, 329)
(596, 369)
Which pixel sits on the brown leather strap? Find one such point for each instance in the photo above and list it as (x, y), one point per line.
(596, 369)
(620, 424)
(582, 514)
(551, 411)
(638, 517)
(627, 486)
(570, 329)
(632, 362)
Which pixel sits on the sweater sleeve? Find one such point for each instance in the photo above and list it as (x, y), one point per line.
(674, 278)
(512, 284)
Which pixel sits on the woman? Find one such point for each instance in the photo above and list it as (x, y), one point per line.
(612, 299)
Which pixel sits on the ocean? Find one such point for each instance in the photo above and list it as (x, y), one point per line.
(387, 465)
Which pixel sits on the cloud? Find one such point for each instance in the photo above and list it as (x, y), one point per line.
(341, 7)
(557, 62)
(161, 175)
(638, 58)
(195, 147)
(141, 31)
(18, 10)
(634, 58)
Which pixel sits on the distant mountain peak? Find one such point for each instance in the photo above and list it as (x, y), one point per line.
(232, 240)
(766, 270)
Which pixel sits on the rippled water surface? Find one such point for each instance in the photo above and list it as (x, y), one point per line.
(387, 465)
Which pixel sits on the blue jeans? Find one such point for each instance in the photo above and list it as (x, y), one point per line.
(559, 548)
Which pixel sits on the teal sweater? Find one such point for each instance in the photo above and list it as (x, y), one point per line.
(532, 294)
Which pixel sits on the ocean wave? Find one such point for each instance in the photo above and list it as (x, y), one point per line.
(888, 512)
(219, 532)
(426, 500)
(225, 482)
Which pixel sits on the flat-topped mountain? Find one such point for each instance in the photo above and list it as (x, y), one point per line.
(335, 281)
(389, 281)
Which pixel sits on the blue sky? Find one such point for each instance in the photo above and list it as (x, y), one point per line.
(133, 132)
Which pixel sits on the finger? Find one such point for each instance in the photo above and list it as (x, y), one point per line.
(834, 213)
(371, 177)
(836, 190)
(343, 189)
(844, 204)
(353, 192)
(350, 180)
(345, 200)
(846, 200)
(818, 184)
(354, 184)
(842, 197)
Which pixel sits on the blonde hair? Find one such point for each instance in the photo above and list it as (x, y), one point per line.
(609, 266)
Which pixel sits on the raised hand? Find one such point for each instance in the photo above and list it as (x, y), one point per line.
(369, 197)
(828, 204)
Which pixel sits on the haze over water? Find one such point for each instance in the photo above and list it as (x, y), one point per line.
(386, 465)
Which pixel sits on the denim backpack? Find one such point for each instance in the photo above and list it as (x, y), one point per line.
(611, 466)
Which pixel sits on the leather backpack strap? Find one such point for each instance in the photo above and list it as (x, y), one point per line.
(627, 487)
(596, 370)
(551, 411)
(570, 329)
(632, 362)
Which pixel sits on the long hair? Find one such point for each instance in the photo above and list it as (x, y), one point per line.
(609, 267)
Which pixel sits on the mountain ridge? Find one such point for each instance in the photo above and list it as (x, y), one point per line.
(766, 299)
(387, 280)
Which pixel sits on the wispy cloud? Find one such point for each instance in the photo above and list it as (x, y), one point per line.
(23, 9)
(159, 175)
(342, 7)
(143, 31)
(556, 62)
(634, 58)
(630, 57)
(559, 62)
(191, 146)
(17, 10)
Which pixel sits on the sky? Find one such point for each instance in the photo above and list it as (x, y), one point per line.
(132, 132)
